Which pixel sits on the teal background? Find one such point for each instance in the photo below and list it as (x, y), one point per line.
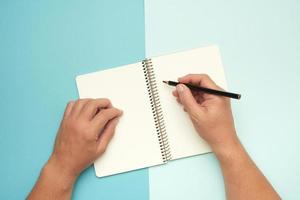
(43, 46)
(260, 47)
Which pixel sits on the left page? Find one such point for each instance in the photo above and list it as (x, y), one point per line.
(135, 143)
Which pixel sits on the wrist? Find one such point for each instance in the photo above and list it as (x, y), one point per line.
(53, 168)
(227, 148)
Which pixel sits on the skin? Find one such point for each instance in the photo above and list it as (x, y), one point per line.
(85, 131)
(89, 124)
(212, 118)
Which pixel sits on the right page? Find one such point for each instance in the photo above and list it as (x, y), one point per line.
(183, 139)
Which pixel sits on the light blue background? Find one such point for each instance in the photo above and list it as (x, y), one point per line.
(260, 47)
(43, 46)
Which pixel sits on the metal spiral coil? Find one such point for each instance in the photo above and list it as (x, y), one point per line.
(156, 110)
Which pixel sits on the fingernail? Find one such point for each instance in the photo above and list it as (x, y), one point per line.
(115, 121)
(179, 88)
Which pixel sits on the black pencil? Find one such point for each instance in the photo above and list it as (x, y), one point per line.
(206, 90)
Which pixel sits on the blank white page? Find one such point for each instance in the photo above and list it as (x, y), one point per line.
(135, 143)
(184, 140)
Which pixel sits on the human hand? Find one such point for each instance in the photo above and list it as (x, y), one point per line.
(211, 115)
(85, 131)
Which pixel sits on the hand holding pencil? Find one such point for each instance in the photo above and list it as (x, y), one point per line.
(211, 114)
(212, 118)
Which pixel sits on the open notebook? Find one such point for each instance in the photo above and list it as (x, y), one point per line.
(153, 129)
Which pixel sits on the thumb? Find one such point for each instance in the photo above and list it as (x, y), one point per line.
(186, 98)
(107, 135)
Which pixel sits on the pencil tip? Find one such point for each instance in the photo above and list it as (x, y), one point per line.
(166, 82)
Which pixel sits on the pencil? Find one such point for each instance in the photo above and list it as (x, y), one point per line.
(206, 90)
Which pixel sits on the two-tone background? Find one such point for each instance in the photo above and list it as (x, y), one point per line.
(45, 44)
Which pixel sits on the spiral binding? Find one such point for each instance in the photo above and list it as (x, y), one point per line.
(156, 110)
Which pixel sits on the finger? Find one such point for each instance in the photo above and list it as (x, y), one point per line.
(175, 93)
(106, 135)
(78, 106)
(187, 99)
(92, 107)
(68, 109)
(200, 80)
(101, 118)
(200, 99)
